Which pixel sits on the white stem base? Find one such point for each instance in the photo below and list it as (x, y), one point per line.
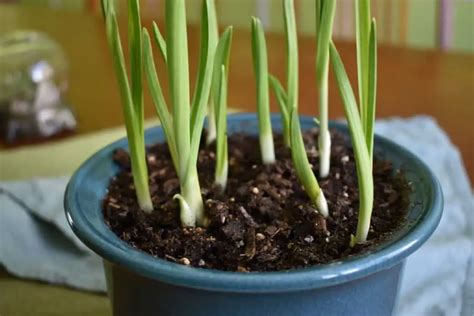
(322, 205)
(146, 206)
(363, 227)
(191, 205)
(324, 143)
(267, 149)
(221, 177)
(187, 216)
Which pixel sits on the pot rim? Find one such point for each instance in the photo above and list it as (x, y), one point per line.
(111, 248)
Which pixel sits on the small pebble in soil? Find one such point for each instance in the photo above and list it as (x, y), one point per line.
(184, 261)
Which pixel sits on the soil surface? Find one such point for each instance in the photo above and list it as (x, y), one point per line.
(263, 221)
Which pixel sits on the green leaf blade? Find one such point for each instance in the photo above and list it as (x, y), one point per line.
(221, 124)
(281, 97)
(134, 134)
(135, 47)
(372, 88)
(324, 37)
(222, 57)
(362, 40)
(158, 98)
(178, 72)
(160, 41)
(260, 63)
(302, 166)
(292, 53)
(362, 159)
(205, 77)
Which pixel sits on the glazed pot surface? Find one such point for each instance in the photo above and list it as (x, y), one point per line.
(140, 284)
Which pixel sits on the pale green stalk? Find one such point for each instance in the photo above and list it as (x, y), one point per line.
(178, 74)
(303, 168)
(222, 165)
(361, 118)
(361, 153)
(221, 60)
(260, 63)
(292, 54)
(211, 115)
(325, 17)
(221, 57)
(136, 64)
(281, 97)
(372, 85)
(183, 129)
(133, 112)
(158, 98)
(187, 126)
(191, 189)
(290, 96)
(362, 12)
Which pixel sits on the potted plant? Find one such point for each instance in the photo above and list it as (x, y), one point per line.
(220, 228)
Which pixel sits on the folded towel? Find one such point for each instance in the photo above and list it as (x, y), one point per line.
(35, 241)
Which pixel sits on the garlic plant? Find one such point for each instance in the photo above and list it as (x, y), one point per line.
(288, 103)
(131, 93)
(183, 127)
(303, 167)
(325, 10)
(361, 119)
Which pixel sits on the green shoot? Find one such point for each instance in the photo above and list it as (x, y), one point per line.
(281, 97)
(303, 167)
(131, 94)
(372, 86)
(178, 76)
(362, 142)
(135, 38)
(291, 95)
(324, 16)
(158, 98)
(222, 165)
(160, 41)
(221, 60)
(211, 115)
(221, 57)
(292, 54)
(183, 128)
(260, 63)
(362, 12)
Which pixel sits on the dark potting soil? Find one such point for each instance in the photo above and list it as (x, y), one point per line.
(263, 221)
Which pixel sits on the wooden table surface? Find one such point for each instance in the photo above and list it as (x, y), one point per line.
(411, 82)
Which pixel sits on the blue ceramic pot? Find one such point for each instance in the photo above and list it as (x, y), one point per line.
(139, 284)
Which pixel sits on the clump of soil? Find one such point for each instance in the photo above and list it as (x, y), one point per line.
(263, 221)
